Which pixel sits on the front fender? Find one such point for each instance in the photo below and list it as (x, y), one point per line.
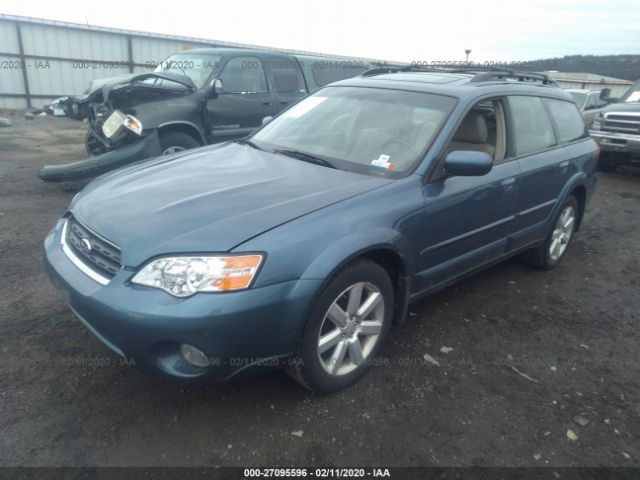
(356, 244)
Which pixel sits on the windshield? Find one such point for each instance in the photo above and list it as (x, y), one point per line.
(579, 98)
(197, 67)
(633, 94)
(366, 130)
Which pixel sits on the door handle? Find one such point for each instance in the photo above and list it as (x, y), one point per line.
(508, 183)
(282, 102)
(562, 165)
(267, 103)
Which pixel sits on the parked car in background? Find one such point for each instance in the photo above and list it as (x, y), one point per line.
(589, 102)
(617, 129)
(193, 98)
(299, 246)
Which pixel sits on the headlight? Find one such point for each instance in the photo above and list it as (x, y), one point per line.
(184, 276)
(596, 124)
(117, 120)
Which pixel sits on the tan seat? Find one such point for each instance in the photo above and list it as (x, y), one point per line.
(472, 135)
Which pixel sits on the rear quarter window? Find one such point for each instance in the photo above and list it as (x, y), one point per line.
(568, 120)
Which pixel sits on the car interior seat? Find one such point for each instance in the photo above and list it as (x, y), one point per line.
(472, 134)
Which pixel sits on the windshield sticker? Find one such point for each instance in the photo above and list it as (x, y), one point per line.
(304, 106)
(634, 97)
(383, 162)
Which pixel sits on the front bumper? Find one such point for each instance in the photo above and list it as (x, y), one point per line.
(616, 142)
(239, 331)
(146, 147)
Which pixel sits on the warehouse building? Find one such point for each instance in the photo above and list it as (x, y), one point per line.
(41, 60)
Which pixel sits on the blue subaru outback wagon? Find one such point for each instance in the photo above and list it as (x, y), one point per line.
(302, 244)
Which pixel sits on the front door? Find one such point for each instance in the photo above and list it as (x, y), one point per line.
(468, 220)
(245, 100)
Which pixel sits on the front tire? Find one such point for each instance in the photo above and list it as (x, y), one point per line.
(174, 142)
(550, 254)
(346, 328)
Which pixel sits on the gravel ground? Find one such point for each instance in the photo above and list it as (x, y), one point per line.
(529, 368)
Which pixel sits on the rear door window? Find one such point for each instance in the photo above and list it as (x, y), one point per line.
(531, 126)
(329, 71)
(287, 77)
(243, 75)
(568, 120)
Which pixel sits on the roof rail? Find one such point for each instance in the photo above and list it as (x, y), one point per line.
(480, 74)
(502, 74)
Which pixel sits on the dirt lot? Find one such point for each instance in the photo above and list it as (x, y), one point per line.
(534, 355)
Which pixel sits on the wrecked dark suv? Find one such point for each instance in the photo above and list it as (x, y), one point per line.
(193, 98)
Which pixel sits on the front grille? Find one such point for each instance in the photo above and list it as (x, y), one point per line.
(619, 122)
(98, 254)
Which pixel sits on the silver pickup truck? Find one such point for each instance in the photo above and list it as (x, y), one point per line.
(617, 129)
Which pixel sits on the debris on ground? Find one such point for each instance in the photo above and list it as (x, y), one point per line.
(297, 433)
(571, 435)
(446, 349)
(431, 360)
(524, 375)
(580, 420)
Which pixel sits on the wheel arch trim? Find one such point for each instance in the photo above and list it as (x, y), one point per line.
(183, 123)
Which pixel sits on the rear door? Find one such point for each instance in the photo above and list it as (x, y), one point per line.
(287, 80)
(544, 164)
(245, 100)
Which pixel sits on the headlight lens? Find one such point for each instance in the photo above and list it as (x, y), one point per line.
(184, 276)
(596, 124)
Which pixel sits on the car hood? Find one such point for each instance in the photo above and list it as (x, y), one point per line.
(124, 87)
(208, 200)
(622, 107)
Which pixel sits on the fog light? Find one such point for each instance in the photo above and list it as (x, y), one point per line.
(193, 355)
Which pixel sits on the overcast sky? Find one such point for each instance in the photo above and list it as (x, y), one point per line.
(385, 29)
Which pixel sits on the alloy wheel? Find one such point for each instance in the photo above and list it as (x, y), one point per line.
(562, 232)
(351, 329)
(173, 149)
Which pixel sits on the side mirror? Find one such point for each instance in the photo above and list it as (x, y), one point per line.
(215, 87)
(605, 93)
(266, 120)
(605, 96)
(467, 163)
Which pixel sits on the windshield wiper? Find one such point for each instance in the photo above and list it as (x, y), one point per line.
(245, 141)
(305, 157)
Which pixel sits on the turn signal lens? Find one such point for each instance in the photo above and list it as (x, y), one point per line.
(184, 276)
(133, 124)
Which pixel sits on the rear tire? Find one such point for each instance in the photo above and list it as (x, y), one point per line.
(174, 142)
(330, 357)
(552, 251)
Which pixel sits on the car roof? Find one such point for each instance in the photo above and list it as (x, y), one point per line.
(580, 90)
(461, 84)
(230, 50)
